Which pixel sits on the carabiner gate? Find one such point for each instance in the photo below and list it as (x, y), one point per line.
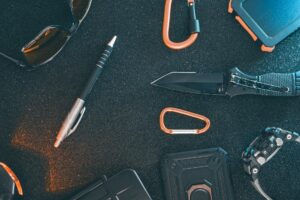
(194, 26)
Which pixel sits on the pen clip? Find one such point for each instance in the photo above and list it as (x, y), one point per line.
(73, 129)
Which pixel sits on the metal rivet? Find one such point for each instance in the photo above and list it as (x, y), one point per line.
(261, 160)
(254, 170)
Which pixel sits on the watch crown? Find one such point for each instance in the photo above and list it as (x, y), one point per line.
(254, 170)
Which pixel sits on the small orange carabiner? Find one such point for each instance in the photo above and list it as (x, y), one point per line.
(194, 26)
(183, 131)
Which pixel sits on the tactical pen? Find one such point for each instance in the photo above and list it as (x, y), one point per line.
(76, 113)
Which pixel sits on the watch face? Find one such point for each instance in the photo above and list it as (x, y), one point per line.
(263, 147)
(263, 142)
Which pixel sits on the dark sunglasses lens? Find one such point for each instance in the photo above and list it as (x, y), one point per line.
(80, 8)
(45, 46)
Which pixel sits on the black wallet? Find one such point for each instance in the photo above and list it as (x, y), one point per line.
(126, 185)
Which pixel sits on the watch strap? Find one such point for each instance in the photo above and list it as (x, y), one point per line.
(257, 186)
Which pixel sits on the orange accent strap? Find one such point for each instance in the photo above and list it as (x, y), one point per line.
(166, 28)
(264, 48)
(183, 131)
(230, 9)
(244, 25)
(13, 177)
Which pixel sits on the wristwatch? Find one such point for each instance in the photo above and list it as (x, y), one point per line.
(262, 150)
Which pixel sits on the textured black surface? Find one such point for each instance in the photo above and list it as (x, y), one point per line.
(120, 128)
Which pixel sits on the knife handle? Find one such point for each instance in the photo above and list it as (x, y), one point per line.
(271, 84)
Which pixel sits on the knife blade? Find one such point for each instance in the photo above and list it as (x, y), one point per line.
(233, 83)
(192, 82)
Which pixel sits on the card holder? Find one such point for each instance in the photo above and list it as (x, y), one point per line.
(124, 186)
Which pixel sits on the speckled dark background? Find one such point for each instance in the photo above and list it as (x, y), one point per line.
(120, 129)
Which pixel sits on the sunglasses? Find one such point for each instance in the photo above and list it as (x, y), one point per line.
(51, 40)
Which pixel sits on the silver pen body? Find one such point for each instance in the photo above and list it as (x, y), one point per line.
(69, 125)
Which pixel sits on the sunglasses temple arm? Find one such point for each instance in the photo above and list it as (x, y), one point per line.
(20, 63)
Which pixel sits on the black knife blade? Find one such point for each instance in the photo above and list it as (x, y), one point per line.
(192, 82)
(233, 83)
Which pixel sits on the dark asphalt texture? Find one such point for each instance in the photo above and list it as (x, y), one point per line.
(120, 128)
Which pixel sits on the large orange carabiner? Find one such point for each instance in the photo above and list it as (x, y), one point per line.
(194, 26)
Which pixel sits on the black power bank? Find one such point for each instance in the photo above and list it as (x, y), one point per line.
(270, 21)
(197, 175)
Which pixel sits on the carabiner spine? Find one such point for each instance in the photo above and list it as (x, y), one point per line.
(194, 27)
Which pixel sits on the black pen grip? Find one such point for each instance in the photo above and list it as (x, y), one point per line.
(96, 73)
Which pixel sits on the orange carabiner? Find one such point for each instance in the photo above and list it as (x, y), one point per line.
(13, 177)
(194, 26)
(183, 131)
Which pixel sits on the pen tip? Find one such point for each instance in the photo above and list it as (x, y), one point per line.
(56, 144)
(112, 42)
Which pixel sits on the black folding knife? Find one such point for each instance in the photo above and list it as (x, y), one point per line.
(233, 83)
